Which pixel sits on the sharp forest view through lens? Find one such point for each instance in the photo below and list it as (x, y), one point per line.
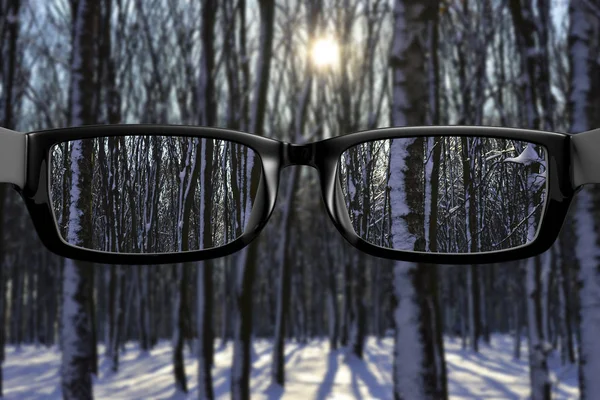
(469, 195)
(300, 314)
(149, 214)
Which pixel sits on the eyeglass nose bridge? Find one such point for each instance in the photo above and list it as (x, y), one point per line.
(299, 154)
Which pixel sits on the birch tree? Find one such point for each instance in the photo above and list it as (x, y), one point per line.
(77, 354)
(416, 372)
(159, 71)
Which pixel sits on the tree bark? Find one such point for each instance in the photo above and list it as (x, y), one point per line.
(417, 333)
(77, 337)
(8, 63)
(240, 379)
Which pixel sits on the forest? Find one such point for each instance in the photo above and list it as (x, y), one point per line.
(300, 71)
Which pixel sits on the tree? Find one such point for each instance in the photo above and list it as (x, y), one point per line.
(535, 84)
(208, 117)
(77, 354)
(417, 337)
(9, 32)
(299, 280)
(247, 259)
(583, 50)
(283, 250)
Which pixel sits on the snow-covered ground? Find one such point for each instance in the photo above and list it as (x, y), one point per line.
(312, 373)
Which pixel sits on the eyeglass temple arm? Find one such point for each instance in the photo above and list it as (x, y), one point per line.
(13, 158)
(585, 156)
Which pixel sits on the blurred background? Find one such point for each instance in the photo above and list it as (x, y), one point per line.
(300, 313)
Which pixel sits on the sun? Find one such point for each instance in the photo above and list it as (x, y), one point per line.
(325, 52)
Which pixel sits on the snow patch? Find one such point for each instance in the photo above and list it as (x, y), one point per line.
(527, 157)
(312, 372)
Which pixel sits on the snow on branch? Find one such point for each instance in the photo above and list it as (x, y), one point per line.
(527, 157)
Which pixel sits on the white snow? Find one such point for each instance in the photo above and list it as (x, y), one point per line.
(528, 156)
(311, 373)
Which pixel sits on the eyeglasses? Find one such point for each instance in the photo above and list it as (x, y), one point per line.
(145, 194)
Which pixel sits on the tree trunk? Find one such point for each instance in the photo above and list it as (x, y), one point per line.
(516, 312)
(3, 267)
(538, 347)
(283, 285)
(483, 305)
(179, 329)
(564, 301)
(358, 324)
(534, 79)
(93, 324)
(473, 306)
(347, 305)
(240, 376)
(583, 49)
(204, 284)
(142, 304)
(8, 63)
(418, 332)
(118, 317)
(109, 327)
(332, 296)
(77, 355)
(205, 338)
(240, 370)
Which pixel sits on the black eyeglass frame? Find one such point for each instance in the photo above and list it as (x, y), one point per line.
(274, 156)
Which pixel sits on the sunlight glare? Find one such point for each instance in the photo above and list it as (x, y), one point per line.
(325, 52)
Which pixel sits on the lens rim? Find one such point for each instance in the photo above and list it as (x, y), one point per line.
(57, 212)
(36, 193)
(560, 189)
(523, 143)
(275, 155)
